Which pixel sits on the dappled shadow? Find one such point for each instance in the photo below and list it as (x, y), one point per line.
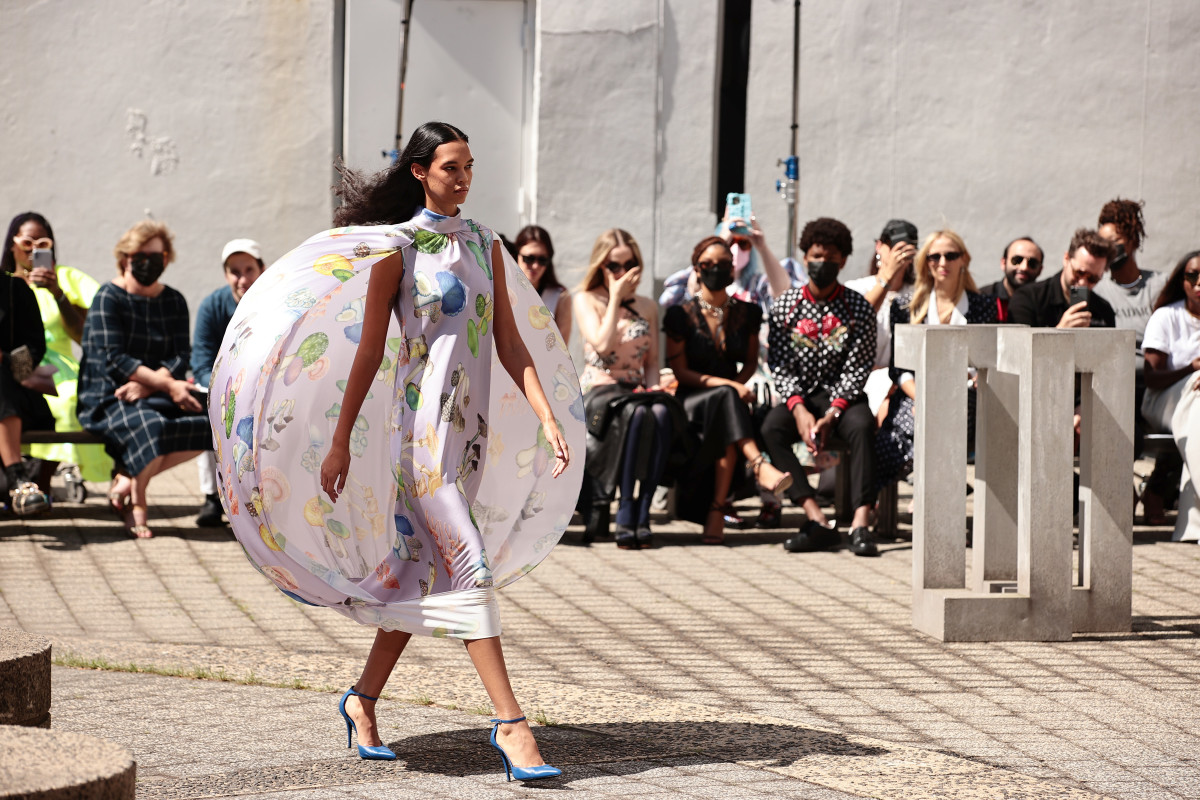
(1150, 629)
(637, 746)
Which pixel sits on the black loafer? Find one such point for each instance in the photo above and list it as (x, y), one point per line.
(862, 542)
(813, 536)
(210, 513)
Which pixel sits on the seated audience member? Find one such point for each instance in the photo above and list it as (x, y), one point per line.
(1132, 292)
(535, 257)
(132, 391)
(891, 272)
(945, 294)
(22, 345)
(712, 346)
(63, 296)
(1022, 264)
(822, 347)
(1172, 401)
(631, 427)
(1046, 304)
(242, 260)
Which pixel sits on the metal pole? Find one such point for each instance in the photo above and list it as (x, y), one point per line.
(405, 27)
(789, 186)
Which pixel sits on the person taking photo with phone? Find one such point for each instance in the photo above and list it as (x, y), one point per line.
(63, 295)
(1066, 300)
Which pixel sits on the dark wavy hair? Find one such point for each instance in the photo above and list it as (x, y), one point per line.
(829, 232)
(1173, 291)
(391, 195)
(536, 233)
(1125, 216)
(8, 262)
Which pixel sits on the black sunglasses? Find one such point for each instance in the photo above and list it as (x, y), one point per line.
(724, 263)
(1192, 277)
(1034, 263)
(535, 261)
(949, 258)
(614, 268)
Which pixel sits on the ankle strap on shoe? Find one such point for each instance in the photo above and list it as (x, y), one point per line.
(357, 693)
(507, 721)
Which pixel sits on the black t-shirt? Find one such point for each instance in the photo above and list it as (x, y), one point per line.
(1042, 305)
(704, 355)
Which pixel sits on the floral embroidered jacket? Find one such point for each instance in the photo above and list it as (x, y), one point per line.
(821, 345)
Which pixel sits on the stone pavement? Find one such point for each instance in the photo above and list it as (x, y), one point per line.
(682, 671)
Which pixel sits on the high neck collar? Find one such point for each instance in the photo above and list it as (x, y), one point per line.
(433, 221)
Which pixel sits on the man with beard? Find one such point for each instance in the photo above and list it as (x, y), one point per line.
(822, 347)
(1022, 264)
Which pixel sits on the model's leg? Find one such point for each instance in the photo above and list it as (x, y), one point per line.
(380, 662)
(516, 739)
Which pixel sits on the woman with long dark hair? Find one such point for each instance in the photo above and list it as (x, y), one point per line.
(373, 459)
(535, 255)
(63, 296)
(1172, 401)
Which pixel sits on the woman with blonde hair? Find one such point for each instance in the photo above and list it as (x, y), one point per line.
(132, 387)
(630, 424)
(944, 294)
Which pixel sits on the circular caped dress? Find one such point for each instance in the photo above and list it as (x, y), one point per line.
(450, 494)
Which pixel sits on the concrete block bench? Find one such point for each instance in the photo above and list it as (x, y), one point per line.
(59, 765)
(24, 680)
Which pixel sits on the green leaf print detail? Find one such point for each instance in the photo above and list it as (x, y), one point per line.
(385, 365)
(342, 275)
(334, 411)
(361, 423)
(480, 305)
(430, 242)
(337, 528)
(230, 407)
(394, 343)
(473, 338)
(483, 265)
(312, 348)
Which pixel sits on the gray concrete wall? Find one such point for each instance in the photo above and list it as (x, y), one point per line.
(997, 118)
(216, 116)
(626, 126)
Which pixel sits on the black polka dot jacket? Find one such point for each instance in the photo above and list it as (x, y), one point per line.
(815, 345)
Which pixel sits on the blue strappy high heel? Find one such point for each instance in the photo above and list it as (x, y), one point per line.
(511, 769)
(380, 753)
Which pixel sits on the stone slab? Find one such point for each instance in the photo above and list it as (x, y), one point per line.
(61, 765)
(24, 679)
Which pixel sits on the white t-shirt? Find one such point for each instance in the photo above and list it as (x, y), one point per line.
(1172, 330)
(883, 317)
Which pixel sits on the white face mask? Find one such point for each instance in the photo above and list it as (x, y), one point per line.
(740, 257)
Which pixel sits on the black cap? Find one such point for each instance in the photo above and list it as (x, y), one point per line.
(899, 230)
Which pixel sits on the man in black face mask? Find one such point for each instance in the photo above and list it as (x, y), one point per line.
(822, 347)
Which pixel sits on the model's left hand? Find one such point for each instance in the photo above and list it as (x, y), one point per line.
(558, 445)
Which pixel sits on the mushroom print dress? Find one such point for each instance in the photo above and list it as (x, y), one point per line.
(449, 495)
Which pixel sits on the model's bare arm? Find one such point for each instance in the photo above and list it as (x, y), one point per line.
(382, 287)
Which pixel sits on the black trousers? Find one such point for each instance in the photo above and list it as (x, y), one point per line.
(856, 427)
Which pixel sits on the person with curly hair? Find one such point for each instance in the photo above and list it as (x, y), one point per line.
(1133, 292)
(822, 348)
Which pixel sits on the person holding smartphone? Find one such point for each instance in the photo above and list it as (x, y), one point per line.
(1066, 299)
(63, 295)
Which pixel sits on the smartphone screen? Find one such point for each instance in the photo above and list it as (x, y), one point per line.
(43, 257)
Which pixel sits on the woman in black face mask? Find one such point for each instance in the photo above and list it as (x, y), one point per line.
(712, 346)
(132, 391)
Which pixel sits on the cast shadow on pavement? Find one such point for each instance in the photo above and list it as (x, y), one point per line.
(630, 747)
